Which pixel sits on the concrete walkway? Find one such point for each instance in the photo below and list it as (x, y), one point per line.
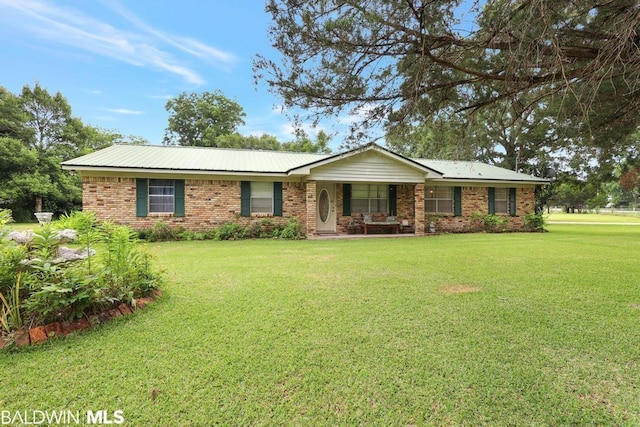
(361, 236)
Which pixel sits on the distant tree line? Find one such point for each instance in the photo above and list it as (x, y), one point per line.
(210, 119)
(38, 131)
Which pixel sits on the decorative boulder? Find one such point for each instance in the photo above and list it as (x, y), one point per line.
(21, 237)
(67, 235)
(64, 253)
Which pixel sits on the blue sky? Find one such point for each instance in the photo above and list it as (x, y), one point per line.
(118, 62)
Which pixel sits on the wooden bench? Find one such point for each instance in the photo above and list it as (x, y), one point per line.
(393, 226)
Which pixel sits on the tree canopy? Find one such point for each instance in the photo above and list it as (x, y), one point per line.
(402, 62)
(37, 132)
(198, 119)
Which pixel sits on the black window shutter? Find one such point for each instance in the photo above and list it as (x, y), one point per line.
(512, 201)
(457, 201)
(277, 199)
(393, 203)
(492, 200)
(346, 199)
(245, 198)
(178, 209)
(142, 194)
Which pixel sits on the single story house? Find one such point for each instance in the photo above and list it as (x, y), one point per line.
(363, 189)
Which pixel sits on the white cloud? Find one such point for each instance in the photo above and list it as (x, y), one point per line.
(165, 97)
(125, 111)
(185, 44)
(143, 46)
(355, 115)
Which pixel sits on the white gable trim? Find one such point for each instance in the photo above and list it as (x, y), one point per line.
(423, 171)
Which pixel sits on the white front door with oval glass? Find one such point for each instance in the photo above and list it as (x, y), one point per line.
(326, 218)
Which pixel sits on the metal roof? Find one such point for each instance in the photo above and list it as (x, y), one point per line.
(174, 158)
(453, 169)
(221, 160)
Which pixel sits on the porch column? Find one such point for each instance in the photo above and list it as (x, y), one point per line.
(311, 208)
(418, 197)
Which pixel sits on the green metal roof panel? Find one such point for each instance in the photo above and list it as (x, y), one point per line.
(193, 159)
(451, 169)
(222, 160)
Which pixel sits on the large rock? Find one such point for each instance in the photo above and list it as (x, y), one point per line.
(66, 235)
(21, 237)
(64, 253)
(26, 237)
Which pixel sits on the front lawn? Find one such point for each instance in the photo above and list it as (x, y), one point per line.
(493, 329)
(603, 217)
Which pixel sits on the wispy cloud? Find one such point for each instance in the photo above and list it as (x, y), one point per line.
(184, 44)
(142, 45)
(124, 111)
(165, 97)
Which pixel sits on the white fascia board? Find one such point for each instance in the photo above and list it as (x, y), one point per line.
(139, 171)
(485, 182)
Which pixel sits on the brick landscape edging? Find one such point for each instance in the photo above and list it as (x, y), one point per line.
(40, 334)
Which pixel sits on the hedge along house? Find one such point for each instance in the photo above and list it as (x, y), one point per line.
(200, 188)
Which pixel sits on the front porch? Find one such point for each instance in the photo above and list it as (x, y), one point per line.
(359, 209)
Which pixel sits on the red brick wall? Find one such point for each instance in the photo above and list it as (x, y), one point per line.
(311, 219)
(208, 203)
(476, 199)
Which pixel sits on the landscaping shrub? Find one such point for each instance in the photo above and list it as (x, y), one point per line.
(265, 228)
(292, 230)
(60, 293)
(490, 222)
(535, 221)
(162, 232)
(232, 231)
(42, 281)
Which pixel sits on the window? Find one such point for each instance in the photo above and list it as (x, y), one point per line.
(161, 196)
(262, 197)
(369, 198)
(438, 199)
(501, 200)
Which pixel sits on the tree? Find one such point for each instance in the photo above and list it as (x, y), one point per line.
(25, 173)
(48, 117)
(197, 120)
(571, 193)
(400, 62)
(630, 181)
(236, 140)
(304, 144)
(37, 131)
(13, 118)
(435, 138)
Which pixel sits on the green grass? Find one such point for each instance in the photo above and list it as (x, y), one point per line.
(592, 217)
(367, 332)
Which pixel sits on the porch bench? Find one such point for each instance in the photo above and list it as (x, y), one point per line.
(393, 226)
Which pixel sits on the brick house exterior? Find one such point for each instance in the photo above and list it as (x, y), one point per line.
(201, 188)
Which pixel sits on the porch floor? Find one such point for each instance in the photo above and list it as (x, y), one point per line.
(329, 236)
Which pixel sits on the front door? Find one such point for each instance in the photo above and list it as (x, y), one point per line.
(326, 197)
